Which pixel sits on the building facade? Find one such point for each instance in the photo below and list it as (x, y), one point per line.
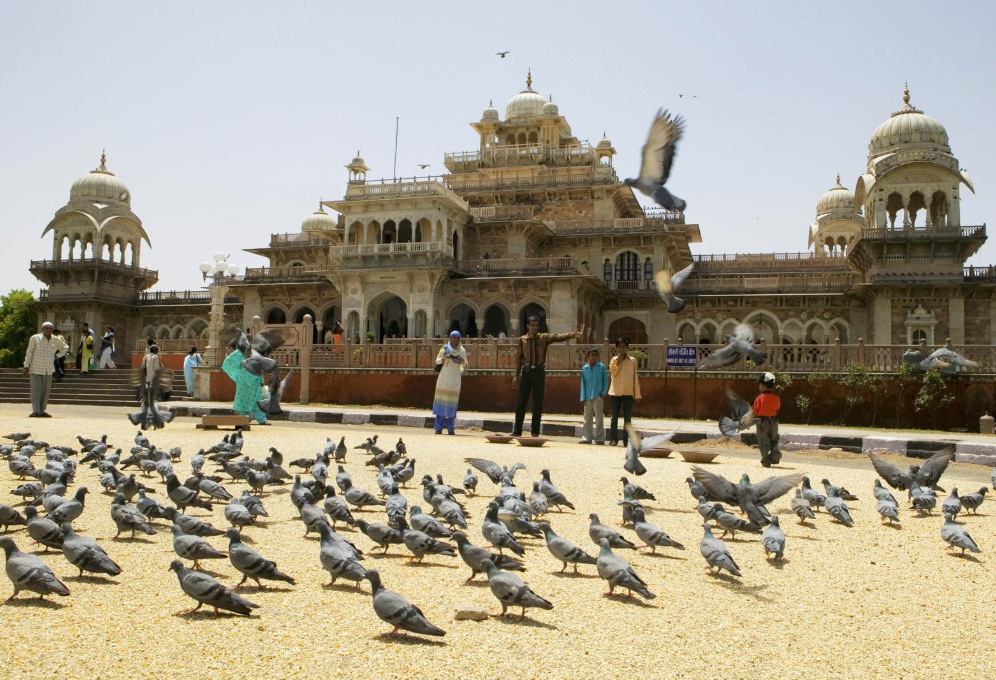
(535, 221)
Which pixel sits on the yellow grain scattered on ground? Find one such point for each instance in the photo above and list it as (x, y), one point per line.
(870, 601)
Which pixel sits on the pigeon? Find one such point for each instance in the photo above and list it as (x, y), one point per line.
(255, 353)
(421, 544)
(705, 508)
(773, 539)
(474, 556)
(251, 563)
(239, 515)
(815, 498)
(743, 415)
(716, 554)
(628, 506)
(636, 493)
(739, 343)
(70, 510)
(952, 504)
(299, 494)
(359, 498)
(503, 53)
(840, 491)
(20, 436)
(28, 572)
(148, 390)
(731, 524)
(253, 504)
(341, 478)
(311, 516)
(497, 533)
(972, 501)
(511, 590)
(406, 473)
(449, 510)
(697, 489)
(751, 498)
(381, 534)
(888, 510)
(340, 451)
(427, 524)
(597, 531)
(883, 494)
(619, 574)
(926, 474)
(84, 553)
(668, 282)
(801, 507)
(191, 525)
(940, 358)
(128, 518)
(339, 557)
(207, 591)
(552, 494)
(385, 480)
(492, 469)
(653, 536)
(43, 530)
(193, 547)
(271, 405)
(657, 157)
(10, 517)
(564, 550)
(336, 508)
(470, 482)
(183, 496)
(637, 445)
(922, 499)
(836, 506)
(397, 611)
(538, 501)
(956, 536)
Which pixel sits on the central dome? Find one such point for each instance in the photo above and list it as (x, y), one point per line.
(838, 198)
(100, 184)
(526, 103)
(908, 127)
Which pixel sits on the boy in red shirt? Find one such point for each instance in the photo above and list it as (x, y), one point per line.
(766, 416)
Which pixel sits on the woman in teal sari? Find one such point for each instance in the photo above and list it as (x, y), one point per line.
(248, 388)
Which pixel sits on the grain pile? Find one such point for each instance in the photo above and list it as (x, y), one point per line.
(870, 601)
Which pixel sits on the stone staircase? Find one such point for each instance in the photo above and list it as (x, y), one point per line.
(111, 387)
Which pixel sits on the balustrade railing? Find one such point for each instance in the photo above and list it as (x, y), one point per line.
(391, 249)
(170, 345)
(495, 213)
(620, 225)
(753, 262)
(386, 188)
(522, 266)
(300, 238)
(299, 273)
(901, 233)
(93, 263)
(833, 283)
(475, 182)
(982, 274)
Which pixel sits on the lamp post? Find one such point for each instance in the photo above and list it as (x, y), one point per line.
(221, 274)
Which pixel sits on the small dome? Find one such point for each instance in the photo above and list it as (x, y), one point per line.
(838, 198)
(318, 221)
(604, 142)
(100, 184)
(908, 127)
(526, 103)
(357, 160)
(490, 114)
(551, 109)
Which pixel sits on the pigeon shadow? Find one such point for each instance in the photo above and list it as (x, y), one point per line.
(629, 599)
(677, 510)
(35, 602)
(412, 563)
(664, 556)
(342, 588)
(778, 564)
(735, 585)
(513, 620)
(806, 538)
(209, 572)
(571, 574)
(208, 614)
(967, 556)
(263, 589)
(129, 539)
(405, 639)
(892, 525)
(86, 578)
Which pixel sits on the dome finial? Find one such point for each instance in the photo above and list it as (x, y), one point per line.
(320, 201)
(529, 79)
(838, 180)
(491, 103)
(103, 159)
(906, 93)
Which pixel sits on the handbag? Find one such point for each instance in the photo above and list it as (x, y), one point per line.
(438, 367)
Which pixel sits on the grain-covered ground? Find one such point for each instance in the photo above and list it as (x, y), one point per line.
(869, 601)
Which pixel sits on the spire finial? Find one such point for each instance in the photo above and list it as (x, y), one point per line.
(838, 180)
(906, 93)
(491, 103)
(529, 79)
(103, 158)
(320, 201)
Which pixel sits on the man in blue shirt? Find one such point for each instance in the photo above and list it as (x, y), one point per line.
(594, 386)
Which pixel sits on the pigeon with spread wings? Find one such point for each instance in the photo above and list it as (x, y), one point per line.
(668, 282)
(940, 358)
(494, 471)
(271, 405)
(255, 353)
(658, 156)
(743, 415)
(637, 445)
(926, 475)
(150, 417)
(751, 498)
(740, 343)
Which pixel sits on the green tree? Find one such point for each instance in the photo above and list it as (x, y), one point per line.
(932, 396)
(861, 384)
(17, 324)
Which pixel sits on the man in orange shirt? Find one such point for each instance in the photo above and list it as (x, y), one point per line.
(766, 416)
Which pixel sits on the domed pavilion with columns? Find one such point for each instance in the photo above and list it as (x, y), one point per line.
(535, 221)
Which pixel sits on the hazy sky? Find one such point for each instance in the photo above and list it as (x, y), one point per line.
(229, 120)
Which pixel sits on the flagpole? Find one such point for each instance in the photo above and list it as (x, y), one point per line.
(395, 171)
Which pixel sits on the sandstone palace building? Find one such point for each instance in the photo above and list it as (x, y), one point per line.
(533, 221)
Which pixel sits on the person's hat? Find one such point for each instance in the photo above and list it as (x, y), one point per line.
(48, 324)
(766, 379)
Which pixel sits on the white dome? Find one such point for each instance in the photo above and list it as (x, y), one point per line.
(908, 127)
(551, 109)
(604, 142)
(318, 221)
(490, 114)
(100, 184)
(526, 103)
(838, 198)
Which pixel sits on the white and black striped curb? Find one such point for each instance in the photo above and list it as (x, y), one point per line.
(965, 452)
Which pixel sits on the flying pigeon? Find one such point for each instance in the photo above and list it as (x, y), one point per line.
(940, 358)
(271, 405)
(492, 469)
(751, 498)
(207, 591)
(657, 157)
(148, 391)
(397, 611)
(637, 445)
(28, 572)
(743, 415)
(503, 53)
(668, 282)
(256, 354)
(739, 343)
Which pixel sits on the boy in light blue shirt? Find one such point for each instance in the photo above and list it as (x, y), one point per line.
(594, 387)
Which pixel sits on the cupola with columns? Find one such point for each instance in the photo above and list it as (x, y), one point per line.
(837, 224)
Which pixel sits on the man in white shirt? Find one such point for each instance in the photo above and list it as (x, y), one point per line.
(39, 363)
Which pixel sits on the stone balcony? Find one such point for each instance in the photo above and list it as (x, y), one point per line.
(502, 213)
(772, 284)
(621, 225)
(539, 177)
(299, 239)
(513, 155)
(393, 255)
(292, 274)
(520, 266)
(400, 188)
(764, 262)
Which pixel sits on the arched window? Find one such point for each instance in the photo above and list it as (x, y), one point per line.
(648, 269)
(628, 267)
(919, 334)
(607, 271)
(276, 315)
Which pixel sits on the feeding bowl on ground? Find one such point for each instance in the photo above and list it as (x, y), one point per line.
(531, 441)
(499, 438)
(698, 456)
(659, 452)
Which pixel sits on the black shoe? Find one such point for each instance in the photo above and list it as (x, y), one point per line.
(613, 442)
(34, 415)
(44, 415)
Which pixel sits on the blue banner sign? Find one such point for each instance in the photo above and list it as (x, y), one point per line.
(682, 356)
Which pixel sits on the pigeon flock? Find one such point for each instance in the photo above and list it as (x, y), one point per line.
(146, 497)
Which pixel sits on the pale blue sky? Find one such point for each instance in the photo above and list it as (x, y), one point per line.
(229, 120)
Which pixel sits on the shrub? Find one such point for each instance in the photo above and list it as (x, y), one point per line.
(17, 324)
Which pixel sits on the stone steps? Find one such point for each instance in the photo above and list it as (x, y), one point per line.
(109, 387)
